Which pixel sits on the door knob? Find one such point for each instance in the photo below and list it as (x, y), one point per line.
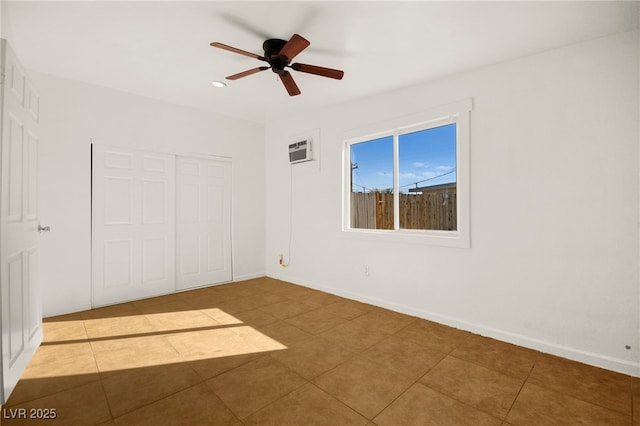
(43, 228)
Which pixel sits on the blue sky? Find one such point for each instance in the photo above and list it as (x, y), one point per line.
(427, 157)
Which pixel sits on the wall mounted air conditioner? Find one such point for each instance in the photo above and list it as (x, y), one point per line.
(300, 151)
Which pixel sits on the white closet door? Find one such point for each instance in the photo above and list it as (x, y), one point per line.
(133, 224)
(20, 297)
(203, 222)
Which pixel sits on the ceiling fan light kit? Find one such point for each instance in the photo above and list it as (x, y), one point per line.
(279, 54)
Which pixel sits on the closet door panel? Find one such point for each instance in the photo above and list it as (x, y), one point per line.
(203, 222)
(133, 212)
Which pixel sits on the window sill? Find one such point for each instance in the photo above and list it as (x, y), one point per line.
(407, 236)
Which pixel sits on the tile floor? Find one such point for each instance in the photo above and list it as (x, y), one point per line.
(267, 352)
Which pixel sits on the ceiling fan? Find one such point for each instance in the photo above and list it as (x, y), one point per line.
(278, 54)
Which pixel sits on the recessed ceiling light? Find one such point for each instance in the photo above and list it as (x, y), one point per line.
(218, 84)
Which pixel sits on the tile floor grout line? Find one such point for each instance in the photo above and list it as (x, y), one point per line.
(47, 395)
(222, 400)
(100, 378)
(351, 354)
(147, 404)
(344, 403)
(267, 404)
(188, 363)
(404, 327)
(360, 353)
(397, 397)
(104, 392)
(526, 380)
(340, 402)
(593, 404)
(462, 402)
(230, 369)
(495, 370)
(578, 398)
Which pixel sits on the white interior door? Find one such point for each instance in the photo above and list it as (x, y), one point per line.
(133, 217)
(19, 226)
(203, 222)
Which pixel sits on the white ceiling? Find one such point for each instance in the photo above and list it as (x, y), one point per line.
(161, 49)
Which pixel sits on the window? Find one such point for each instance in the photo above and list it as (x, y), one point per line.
(427, 179)
(372, 184)
(410, 181)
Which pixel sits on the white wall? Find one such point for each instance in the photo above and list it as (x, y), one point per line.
(554, 256)
(73, 114)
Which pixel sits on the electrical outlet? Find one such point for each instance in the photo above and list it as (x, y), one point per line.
(366, 270)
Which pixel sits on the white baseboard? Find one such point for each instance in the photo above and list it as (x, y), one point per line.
(245, 277)
(66, 310)
(590, 358)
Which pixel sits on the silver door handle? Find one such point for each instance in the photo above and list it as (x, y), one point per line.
(43, 228)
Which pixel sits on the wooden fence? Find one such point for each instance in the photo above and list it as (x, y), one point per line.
(363, 209)
(435, 209)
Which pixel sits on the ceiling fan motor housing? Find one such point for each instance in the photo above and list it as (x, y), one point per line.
(272, 48)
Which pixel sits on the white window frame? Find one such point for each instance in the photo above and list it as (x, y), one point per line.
(458, 113)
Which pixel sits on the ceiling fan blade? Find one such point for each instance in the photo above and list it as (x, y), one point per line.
(295, 45)
(236, 50)
(245, 26)
(314, 69)
(246, 73)
(289, 83)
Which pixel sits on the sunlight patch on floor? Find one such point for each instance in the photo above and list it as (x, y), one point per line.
(116, 343)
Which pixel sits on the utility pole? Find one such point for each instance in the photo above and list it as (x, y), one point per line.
(353, 167)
